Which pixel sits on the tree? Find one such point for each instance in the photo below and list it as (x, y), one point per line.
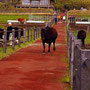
(71, 4)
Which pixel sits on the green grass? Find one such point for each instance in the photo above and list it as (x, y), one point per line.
(4, 18)
(10, 50)
(66, 80)
(87, 40)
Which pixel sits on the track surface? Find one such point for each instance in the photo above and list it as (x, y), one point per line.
(29, 69)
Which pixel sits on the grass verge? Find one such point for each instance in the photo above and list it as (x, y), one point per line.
(66, 80)
(11, 51)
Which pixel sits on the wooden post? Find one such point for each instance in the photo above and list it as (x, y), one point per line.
(34, 32)
(13, 39)
(4, 41)
(19, 35)
(88, 28)
(31, 34)
(72, 59)
(38, 32)
(24, 35)
(28, 35)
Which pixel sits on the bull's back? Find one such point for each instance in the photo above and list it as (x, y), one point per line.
(51, 35)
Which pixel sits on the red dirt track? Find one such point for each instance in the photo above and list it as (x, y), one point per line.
(29, 69)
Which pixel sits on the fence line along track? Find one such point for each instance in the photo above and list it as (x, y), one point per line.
(30, 32)
(79, 62)
(28, 35)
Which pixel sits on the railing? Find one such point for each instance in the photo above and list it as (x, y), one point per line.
(28, 35)
(79, 23)
(45, 18)
(79, 63)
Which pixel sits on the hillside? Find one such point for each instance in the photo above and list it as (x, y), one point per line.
(79, 13)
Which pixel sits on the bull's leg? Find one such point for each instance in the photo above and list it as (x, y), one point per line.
(43, 47)
(49, 47)
(83, 44)
(54, 45)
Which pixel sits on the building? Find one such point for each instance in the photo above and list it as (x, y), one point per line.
(35, 3)
(32, 3)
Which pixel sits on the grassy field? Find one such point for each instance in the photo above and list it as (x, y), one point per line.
(4, 18)
(14, 16)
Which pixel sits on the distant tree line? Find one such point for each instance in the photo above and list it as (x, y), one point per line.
(8, 5)
(71, 4)
(58, 4)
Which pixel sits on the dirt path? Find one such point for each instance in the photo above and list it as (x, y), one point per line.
(29, 69)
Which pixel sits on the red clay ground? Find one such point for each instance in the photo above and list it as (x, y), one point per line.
(29, 69)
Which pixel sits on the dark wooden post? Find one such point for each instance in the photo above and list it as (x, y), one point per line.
(31, 34)
(28, 35)
(34, 32)
(24, 35)
(19, 35)
(4, 41)
(13, 39)
(38, 32)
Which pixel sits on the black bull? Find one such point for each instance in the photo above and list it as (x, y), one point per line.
(82, 35)
(48, 35)
(9, 30)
